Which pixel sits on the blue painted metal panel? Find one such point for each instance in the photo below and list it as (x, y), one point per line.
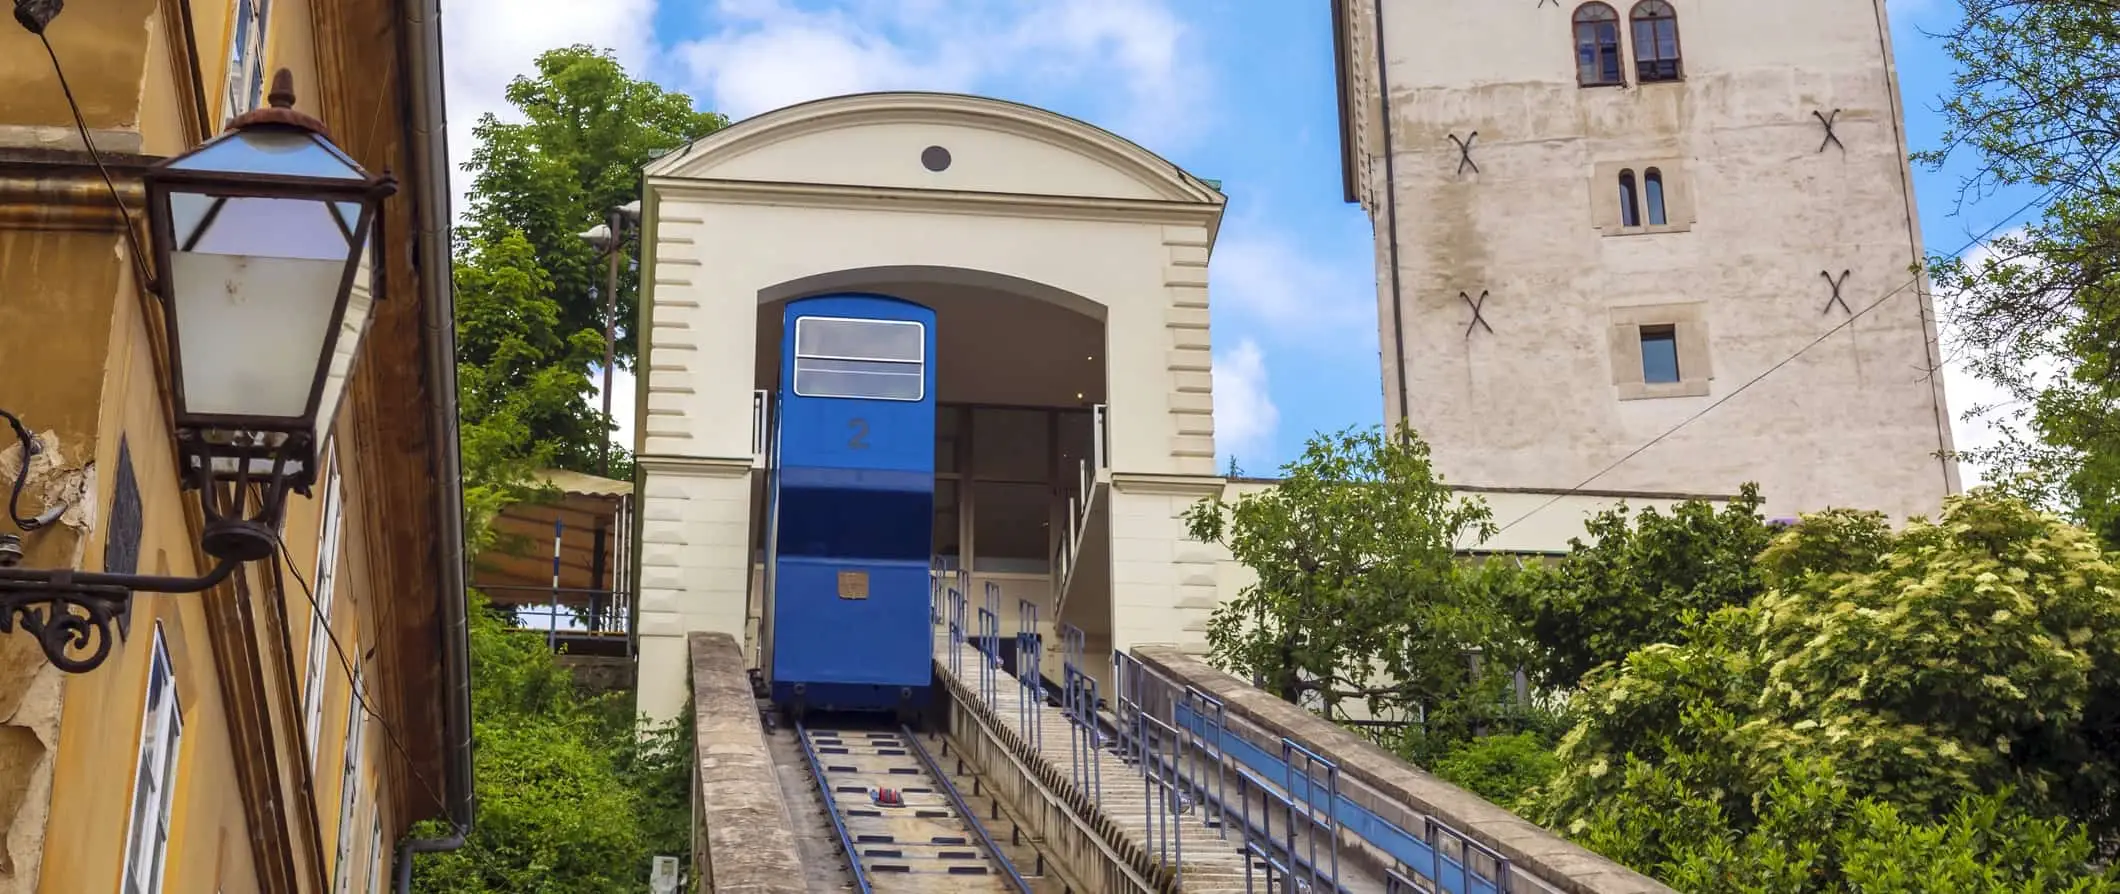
(849, 433)
(853, 500)
(1402, 845)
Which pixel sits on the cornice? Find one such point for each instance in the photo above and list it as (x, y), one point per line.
(1168, 485)
(694, 466)
(936, 201)
(62, 189)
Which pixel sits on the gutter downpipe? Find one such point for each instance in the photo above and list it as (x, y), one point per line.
(1391, 212)
(420, 59)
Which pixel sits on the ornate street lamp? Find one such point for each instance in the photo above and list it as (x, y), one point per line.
(261, 237)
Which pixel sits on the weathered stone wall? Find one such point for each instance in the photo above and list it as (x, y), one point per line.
(742, 840)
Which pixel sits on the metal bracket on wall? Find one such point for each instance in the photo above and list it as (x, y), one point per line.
(1826, 119)
(1478, 317)
(1542, 3)
(1836, 299)
(1465, 151)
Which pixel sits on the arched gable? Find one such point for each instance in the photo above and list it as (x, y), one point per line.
(888, 140)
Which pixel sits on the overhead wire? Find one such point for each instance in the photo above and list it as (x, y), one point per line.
(361, 698)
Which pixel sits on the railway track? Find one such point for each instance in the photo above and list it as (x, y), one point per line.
(901, 822)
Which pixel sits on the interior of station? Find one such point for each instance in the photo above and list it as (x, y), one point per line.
(1020, 392)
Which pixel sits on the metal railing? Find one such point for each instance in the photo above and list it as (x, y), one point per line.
(1079, 506)
(761, 422)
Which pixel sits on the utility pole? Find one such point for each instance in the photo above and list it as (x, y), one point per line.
(610, 238)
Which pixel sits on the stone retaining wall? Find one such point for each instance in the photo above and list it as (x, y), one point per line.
(743, 841)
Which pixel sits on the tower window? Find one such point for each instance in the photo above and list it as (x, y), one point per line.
(1653, 187)
(1659, 354)
(1630, 208)
(1597, 46)
(1655, 41)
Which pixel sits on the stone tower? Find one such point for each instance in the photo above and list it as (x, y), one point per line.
(1597, 219)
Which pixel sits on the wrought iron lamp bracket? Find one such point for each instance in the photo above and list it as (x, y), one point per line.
(71, 613)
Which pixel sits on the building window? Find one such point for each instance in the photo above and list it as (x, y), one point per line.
(161, 731)
(246, 59)
(1659, 354)
(320, 617)
(349, 784)
(1655, 41)
(1630, 208)
(375, 854)
(1653, 191)
(867, 359)
(1597, 62)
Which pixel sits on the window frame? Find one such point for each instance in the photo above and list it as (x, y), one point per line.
(798, 356)
(1630, 199)
(1577, 21)
(316, 670)
(1674, 197)
(160, 750)
(352, 758)
(1662, 334)
(1660, 11)
(249, 23)
(1688, 324)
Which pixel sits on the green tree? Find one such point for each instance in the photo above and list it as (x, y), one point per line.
(1640, 581)
(1969, 656)
(2037, 101)
(555, 814)
(1359, 597)
(588, 130)
(521, 379)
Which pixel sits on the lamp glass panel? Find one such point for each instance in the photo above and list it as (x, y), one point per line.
(360, 307)
(253, 293)
(278, 152)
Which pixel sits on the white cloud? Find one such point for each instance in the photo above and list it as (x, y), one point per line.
(766, 54)
(487, 43)
(1260, 273)
(1245, 417)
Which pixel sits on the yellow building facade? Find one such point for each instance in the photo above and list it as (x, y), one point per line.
(284, 730)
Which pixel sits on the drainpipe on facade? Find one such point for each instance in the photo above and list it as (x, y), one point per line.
(1391, 213)
(420, 58)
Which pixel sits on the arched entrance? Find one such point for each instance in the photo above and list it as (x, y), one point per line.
(1067, 269)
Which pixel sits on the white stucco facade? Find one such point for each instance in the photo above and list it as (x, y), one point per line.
(1491, 159)
(1034, 226)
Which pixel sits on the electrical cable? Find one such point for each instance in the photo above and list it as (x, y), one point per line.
(132, 238)
(2047, 196)
(361, 698)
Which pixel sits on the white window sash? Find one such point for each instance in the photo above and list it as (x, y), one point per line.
(154, 782)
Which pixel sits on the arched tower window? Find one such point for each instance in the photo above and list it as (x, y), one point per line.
(1597, 46)
(1630, 208)
(1653, 194)
(1655, 41)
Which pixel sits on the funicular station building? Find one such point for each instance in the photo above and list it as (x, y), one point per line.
(1066, 272)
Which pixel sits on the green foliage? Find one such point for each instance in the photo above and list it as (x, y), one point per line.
(588, 130)
(1359, 596)
(2037, 100)
(574, 796)
(1644, 580)
(521, 380)
(557, 813)
(1974, 657)
(1811, 833)
(1501, 768)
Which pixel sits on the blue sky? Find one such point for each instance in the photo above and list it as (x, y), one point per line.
(1235, 90)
